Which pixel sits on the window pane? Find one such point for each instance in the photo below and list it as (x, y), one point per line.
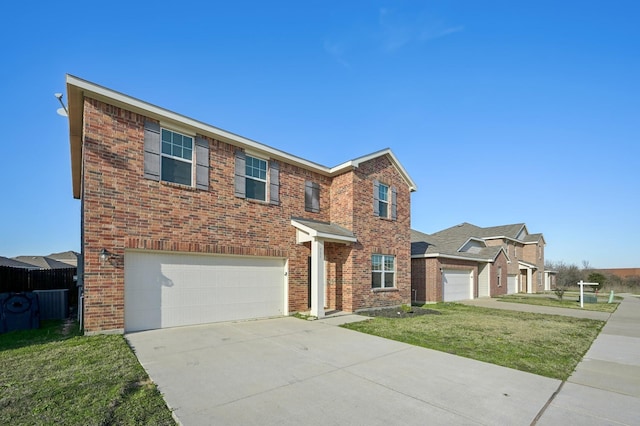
(166, 148)
(187, 142)
(383, 193)
(177, 145)
(383, 208)
(176, 171)
(255, 189)
(388, 279)
(376, 262)
(255, 167)
(376, 279)
(388, 263)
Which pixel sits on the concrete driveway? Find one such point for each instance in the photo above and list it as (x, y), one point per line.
(288, 371)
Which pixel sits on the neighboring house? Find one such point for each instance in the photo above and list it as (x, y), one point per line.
(43, 262)
(68, 257)
(12, 263)
(467, 261)
(184, 223)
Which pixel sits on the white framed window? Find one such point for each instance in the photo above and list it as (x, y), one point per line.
(499, 276)
(176, 163)
(383, 271)
(383, 200)
(256, 178)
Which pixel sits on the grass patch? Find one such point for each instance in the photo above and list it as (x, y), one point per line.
(568, 301)
(547, 345)
(54, 375)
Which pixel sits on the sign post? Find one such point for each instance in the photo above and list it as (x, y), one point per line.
(582, 284)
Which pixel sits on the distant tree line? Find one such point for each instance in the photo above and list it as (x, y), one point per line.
(568, 276)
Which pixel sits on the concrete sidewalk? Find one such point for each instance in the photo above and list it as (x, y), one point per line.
(605, 387)
(492, 303)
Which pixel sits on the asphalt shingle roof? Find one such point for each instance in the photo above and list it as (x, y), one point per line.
(43, 262)
(5, 261)
(450, 240)
(325, 227)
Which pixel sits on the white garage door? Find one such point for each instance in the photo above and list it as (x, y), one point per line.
(457, 285)
(512, 284)
(170, 290)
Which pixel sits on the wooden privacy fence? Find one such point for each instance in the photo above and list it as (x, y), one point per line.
(19, 279)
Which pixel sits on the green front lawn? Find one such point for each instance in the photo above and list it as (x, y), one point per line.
(569, 300)
(56, 376)
(547, 345)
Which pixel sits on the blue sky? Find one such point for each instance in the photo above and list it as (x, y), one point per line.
(501, 111)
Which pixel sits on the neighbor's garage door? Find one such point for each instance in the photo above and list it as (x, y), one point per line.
(457, 285)
(512, 284)
(169, 290)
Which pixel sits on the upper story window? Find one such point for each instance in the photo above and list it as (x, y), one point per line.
(170, 156)
(256, 178)
(177, 157)
(311, 197)
(384, 200)
(382, 271)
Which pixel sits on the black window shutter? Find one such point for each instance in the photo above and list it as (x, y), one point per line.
(376, 198)
(274, 182)
(202, 163)
(151, 150)
(311, 197)
(240, 179)
(394, 203)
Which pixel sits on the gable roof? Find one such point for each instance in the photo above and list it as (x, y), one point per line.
(449, 245)
(78, 88)
(70, 257)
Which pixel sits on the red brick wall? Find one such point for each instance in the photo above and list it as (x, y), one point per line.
(534, 253)
(123, 210)
(380, 236)
(419, 280)
(501, 261)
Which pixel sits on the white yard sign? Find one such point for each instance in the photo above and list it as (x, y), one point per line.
(582, 284)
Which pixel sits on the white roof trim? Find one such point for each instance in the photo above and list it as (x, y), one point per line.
(449, 256)
(352, 164)
(480, 240)
(527, 264)
(167, 117)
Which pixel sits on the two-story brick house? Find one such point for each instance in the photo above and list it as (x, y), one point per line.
(184, 223)
(467, 261)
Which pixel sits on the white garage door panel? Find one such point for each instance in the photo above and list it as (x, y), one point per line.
(169, 290)
(457, 285)
(512, 284)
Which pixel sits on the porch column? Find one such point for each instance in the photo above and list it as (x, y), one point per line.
(529, 280)
(317, 278)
